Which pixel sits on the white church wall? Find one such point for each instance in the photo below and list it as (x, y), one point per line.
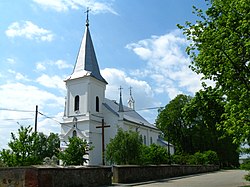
(96, 89)
(77, 87)
(95, 140)
(112, 120)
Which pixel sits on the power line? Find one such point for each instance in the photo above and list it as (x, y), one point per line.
(12, 119)
(16, 110)
(150, 108)
(52, 118)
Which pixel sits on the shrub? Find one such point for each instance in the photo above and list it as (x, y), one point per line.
(208, 157)
(211, 157)
(180, 159)
(246, 166)
(154, 154)
(125, 148)
(200, 158)
(75, 152)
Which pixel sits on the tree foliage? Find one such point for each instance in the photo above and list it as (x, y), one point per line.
(171, 122)
(75, 152)
(204, 114)
(192, 126)
(125, 148)
(29, 148)
(220, 51)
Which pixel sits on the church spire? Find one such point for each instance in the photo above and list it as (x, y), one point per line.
(86, 62)
(131, 101)
(120, 102)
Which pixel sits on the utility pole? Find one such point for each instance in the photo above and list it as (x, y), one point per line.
(36, 118)
(103, 144)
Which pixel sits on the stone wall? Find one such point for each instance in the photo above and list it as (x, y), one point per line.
(128, 174)
(55, 176)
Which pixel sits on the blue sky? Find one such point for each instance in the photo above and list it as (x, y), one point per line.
(137, 44)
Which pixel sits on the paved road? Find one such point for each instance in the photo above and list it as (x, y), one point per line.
(224, 178)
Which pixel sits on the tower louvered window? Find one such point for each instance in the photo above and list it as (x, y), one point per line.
(97, 104)
(77, 100)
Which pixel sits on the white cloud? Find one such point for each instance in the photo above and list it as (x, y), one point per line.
(167, 64)
(10, 61)
(23, 99)
(117, 78)
(142, 92)
(29, 30)
(60, 64)
(40, 66)
(64, 5)
(18, 76)
(51, 81)
(51, 124)
(21, 96)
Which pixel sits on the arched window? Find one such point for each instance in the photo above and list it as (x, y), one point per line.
(145, 140)
(97, 104)
(74, 133)
(77, 100)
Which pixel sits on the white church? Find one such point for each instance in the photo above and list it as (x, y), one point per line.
(87, 109)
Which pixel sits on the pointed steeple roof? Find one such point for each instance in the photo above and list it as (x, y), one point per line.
(86, 62)
(120, 102)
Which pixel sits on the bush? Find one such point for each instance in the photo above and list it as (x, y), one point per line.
(180, 159)
(125, 148)
(75, 152)
(211, 157)
(2, 163)
(200, 158)
(247, 177)
(154, 154)
(208, 157)
(246, 166)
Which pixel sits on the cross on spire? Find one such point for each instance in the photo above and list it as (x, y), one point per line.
(120, 90)
(130, 91)
(87, 19)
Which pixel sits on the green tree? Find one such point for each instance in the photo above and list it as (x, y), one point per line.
(125, 148)
(75, 152)
(220, 50)
(171, 122)
(204, 113)
(29, 148)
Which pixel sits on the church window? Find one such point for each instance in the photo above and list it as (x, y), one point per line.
(97, 104)
(145, 140)
(74, 133)
(151, 140)
(77, 101)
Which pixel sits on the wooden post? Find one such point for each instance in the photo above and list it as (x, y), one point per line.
(36, 118)
(103, 143)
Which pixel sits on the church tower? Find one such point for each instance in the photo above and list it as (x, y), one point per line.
(131, 101)
(85, 95)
